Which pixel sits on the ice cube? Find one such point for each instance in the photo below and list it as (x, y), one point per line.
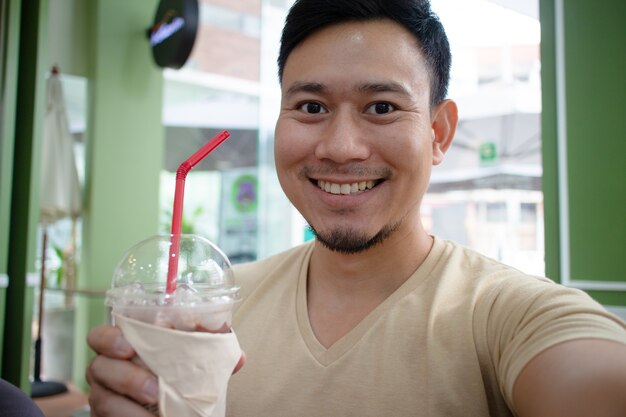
(185, 295)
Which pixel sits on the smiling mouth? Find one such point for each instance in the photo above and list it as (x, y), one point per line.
(348, 188)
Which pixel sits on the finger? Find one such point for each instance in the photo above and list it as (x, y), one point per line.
(106, 403)
(239, 365)
(109, 341)
(124, 377)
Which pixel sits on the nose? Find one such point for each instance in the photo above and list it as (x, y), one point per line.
(343, 140)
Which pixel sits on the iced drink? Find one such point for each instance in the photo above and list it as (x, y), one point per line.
(183, 336)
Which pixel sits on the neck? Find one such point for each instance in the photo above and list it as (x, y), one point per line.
(342, 289)
(380, 269)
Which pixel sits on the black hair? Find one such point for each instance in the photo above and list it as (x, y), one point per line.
(308, 16)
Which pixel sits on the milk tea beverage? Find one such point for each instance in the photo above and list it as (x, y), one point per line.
(183, 336)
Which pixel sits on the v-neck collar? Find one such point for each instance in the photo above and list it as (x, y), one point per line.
(326, 356)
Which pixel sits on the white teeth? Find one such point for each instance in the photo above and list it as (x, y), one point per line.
(346, 189)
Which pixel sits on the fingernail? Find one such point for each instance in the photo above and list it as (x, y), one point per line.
(151, 389)
(122, 346)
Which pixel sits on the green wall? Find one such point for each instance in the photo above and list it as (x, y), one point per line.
(24, 193)
(125, 141)
(8, 92)
(549, 140)
(68, 24)
(592, 100)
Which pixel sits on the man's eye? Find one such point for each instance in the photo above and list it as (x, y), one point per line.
(380, 108)
(312, 108)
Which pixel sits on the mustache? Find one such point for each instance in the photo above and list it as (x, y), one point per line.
(352, 170)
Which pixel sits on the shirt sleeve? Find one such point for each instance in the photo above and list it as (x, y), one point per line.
(535, 314)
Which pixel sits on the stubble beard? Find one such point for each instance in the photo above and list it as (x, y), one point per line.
(350, 241)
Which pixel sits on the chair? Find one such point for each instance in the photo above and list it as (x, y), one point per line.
(15, 403)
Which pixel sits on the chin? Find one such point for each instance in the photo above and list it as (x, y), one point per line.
(349, 241)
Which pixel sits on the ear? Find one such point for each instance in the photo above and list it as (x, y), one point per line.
(444, 122)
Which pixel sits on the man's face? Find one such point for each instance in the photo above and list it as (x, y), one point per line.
(354, 142)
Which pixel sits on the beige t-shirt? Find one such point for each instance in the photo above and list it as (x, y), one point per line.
(449, 342)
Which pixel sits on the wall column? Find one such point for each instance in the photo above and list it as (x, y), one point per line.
(584, 143)
(124, 146)
(24, 215)
(10, 15)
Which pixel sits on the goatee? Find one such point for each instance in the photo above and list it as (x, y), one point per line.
(349, 241)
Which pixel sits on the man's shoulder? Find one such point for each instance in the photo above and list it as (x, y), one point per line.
(483, 274)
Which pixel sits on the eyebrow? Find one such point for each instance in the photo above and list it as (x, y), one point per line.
(371, 87)
(384, 87)
(306, 87)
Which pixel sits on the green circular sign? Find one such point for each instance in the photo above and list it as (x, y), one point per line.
(243, 193)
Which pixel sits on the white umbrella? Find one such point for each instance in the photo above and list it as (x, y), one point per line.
(60, 194)
(59, 197)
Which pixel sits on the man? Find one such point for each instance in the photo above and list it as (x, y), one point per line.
(376, 317)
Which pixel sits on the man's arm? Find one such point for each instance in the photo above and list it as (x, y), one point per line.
(583, 378)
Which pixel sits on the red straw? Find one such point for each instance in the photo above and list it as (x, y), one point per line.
(177, 213)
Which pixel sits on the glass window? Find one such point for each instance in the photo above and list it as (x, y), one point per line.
(495, 212)
(528, 212)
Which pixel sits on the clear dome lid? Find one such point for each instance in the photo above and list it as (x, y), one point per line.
(204, 274)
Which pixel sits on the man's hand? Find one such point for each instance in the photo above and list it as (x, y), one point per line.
(584, 377)
(119, 387)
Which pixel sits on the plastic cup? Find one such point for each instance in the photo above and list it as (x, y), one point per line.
(205, 292)
(200, 306)
(172, 295)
